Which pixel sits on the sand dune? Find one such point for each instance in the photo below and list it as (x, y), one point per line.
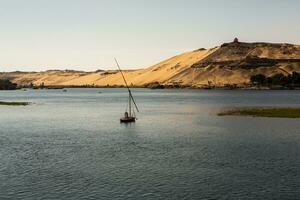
(231, 63)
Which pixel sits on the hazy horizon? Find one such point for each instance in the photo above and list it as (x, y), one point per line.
(38, 35)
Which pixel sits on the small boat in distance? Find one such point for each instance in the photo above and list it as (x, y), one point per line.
(129, 116)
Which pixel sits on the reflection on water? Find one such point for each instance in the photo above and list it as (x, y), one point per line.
(70, 145)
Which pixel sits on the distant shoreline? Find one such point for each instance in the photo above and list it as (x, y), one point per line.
(272, 112)
(6, 103)
(166, 87)
(230, 66)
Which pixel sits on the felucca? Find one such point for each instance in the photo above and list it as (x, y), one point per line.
(129, 116)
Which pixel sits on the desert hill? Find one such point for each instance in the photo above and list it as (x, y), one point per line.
(231, 63)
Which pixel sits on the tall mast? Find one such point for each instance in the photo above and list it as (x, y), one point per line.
(129, 91)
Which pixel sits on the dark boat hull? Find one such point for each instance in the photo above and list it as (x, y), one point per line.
(127, 120)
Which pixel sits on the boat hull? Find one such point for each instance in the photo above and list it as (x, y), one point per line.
(127, 120)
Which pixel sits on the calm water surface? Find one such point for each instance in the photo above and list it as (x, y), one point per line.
(70, 145)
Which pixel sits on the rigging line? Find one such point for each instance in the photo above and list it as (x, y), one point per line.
(127, 85)
(134, 102)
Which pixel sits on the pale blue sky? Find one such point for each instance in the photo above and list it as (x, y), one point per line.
(88, 34)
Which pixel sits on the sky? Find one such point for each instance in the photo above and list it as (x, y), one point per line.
(38, 35)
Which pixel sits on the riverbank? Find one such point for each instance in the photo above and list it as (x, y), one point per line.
(235, 65)
(157, 85)
(275, 112)
(4, 103)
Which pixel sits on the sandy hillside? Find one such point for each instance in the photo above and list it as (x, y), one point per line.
(231, 63)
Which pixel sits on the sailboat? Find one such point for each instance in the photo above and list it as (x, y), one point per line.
(129, 117)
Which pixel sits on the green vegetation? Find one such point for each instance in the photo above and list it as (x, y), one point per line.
(154, 85)
(290, 81)
(263, 112)
(3, 103)
(7, 85)
(157, 85)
